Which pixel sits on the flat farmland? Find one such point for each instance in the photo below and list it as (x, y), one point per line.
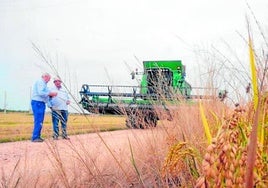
(17, 126)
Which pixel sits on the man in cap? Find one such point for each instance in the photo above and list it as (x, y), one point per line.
(59, 107)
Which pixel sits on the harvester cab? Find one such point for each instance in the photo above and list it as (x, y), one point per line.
(164, 79)
(160, 81)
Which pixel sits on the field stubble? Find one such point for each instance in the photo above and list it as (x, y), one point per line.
(18, 126)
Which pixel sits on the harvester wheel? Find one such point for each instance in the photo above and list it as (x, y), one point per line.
(141, 119)
(133, 121)
(150, 119)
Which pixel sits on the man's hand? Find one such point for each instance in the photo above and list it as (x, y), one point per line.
(52, 94)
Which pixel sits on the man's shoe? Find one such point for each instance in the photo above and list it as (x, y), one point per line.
(38, 140)
(55, 138)
(66, 138)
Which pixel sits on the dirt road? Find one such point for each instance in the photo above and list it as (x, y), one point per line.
(27, 161)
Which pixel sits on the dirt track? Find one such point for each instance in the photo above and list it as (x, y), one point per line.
(25, 158)
(11, 152)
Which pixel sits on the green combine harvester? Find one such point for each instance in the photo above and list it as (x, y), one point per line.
(162, 82)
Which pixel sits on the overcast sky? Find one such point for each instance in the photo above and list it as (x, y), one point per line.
(102, 41)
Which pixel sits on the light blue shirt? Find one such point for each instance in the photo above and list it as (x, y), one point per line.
(40, 91)
(59, 102)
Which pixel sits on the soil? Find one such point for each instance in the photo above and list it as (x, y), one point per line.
(25, 158)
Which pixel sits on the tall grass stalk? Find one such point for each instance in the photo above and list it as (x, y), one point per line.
(134, 163)
(8, 182)
(254, 79)
(58, 164)
(205, 123)
(252, 150)
(253, 139)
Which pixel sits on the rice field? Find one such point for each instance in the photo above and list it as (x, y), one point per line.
(16, 126)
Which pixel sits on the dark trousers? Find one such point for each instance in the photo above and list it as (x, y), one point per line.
(62, 117)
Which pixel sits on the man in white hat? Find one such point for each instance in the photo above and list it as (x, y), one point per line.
(59, 107)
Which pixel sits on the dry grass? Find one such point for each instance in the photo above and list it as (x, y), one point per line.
(174, 154)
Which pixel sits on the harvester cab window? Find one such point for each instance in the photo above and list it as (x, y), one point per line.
(159, 81)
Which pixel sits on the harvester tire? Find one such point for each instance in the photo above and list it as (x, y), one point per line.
(141, 119)
(150, 119)
(133, 122)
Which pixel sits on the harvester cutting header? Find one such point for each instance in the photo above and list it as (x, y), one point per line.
(161, 82)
